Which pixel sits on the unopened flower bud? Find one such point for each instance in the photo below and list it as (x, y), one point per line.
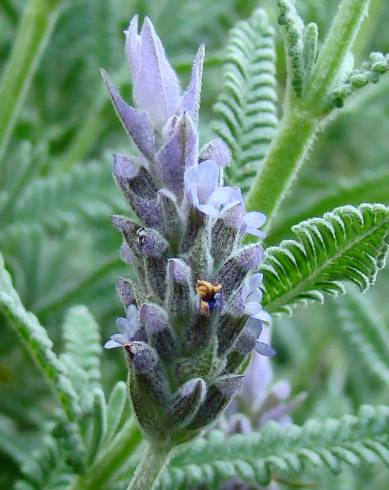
(219, 395)
(186, 402)
(235, 269)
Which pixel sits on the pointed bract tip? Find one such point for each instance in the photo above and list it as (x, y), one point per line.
(133, 24)
(104, 75)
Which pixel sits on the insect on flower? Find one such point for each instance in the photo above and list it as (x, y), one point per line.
(210, 295)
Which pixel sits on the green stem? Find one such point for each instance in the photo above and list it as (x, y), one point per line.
(34, 31)
(303, 117)
(286, 154)
(112, 459)
(153, 462)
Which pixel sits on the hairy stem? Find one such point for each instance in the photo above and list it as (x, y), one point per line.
(286, 154)
(303, 116)
(150, 468)
(112, 459)
(34, 31)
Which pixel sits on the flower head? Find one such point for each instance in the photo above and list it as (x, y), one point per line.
(156, 88)
(193, 303)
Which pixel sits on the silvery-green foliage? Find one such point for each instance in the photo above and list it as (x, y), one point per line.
(115, 408)
(70, 197)
(82, 351)
(35, 338)
(365, 333)
(247, 104)
(255, 458)
(76, 436)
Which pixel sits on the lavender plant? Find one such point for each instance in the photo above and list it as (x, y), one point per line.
(210, 256)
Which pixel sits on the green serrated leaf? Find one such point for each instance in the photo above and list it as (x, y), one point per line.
(99, 428)
(353, 440)
(347, 244)
(60, 200)
(364, 332)
(370, 187)
(370, 72)
(247, 102)
(35, 338)
(83, 344)
(293, 26)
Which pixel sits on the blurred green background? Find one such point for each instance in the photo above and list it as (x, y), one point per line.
(57, 196)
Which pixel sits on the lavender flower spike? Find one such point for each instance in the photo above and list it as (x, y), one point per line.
(193, 303)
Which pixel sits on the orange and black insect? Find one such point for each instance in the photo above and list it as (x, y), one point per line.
(209, 293)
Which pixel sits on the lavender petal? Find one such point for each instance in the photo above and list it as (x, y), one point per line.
(136, 122)
(156, 88)
(264, 349)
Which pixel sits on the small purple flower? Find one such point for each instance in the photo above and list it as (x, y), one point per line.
(127, 328)
(203, 190)
(258, 378)
(252, 221)
(252, 297)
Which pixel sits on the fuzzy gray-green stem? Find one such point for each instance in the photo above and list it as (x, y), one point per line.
(303, 116)
(148, 472)
(286, 154)
(34, 31)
